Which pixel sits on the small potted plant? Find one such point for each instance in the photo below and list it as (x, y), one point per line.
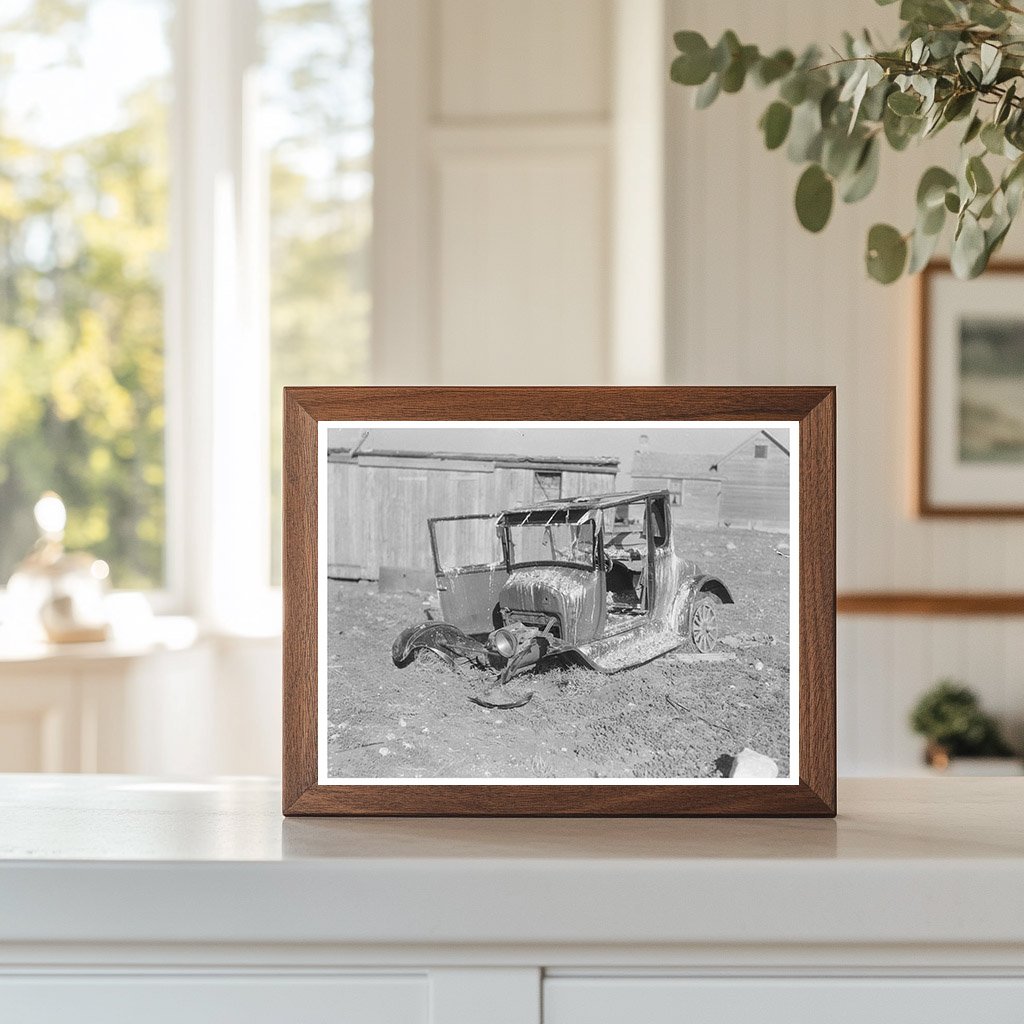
(950, 717)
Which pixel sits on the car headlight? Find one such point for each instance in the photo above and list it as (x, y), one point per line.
(505, 642)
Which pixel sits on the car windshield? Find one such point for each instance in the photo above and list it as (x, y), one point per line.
(564, 543)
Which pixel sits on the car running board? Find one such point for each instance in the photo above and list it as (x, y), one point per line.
(630, 648)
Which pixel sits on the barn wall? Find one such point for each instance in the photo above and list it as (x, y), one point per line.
(380, 512)
(755, 492)
(702, 500)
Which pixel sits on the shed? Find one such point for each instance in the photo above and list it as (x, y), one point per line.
(379, 502)
(694, 490)
(747, 486)
(755, 483)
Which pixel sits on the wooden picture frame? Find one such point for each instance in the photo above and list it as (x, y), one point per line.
(811, 410)
(935, 476)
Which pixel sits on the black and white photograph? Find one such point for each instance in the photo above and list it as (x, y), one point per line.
(579, 602)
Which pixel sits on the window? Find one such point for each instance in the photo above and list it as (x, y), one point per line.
(760, 451)
(547, 486)
(543, 541)
(83, 237)
(317, 125)
(204, 166)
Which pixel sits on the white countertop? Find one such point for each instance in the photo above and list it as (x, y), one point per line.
(120, 859)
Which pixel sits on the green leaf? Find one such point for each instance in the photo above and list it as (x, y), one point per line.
(1013, 186)
(771, 69)
(993, 138)
(873, 107)
(794, 89)
(865, 173)
(707, 93)
(886, 254)
(805, 133)
(840, 152)
(814, 195)
(958, 105)
(922, 247)
(725, 50)
(735, 74)
(969, 254)
(932, 221)
(1004, 106)
(931, 12)
(952, 202)
(991, 61)
(693, 65)
(904, 103)
(931, 191)
(900, 130)
(987, 15)
(973, 130)
(978, 176)
(775, 124)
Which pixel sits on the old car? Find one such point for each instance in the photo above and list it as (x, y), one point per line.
(596, 578)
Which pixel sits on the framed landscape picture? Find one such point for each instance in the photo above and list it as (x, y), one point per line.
(970, 450)
(559, 601)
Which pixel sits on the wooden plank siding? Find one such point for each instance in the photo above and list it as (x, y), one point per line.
(379, 509)
(755, 491)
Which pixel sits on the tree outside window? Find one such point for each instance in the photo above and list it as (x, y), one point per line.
(83, 237)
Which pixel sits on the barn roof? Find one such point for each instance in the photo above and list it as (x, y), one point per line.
(753, 437)
(664, 465)
(553, 463)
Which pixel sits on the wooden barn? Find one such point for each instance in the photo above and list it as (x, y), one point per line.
(379, 502)
(755, 483)
(748, 486)
(694, 490)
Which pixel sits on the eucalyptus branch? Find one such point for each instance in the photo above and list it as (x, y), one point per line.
(955, 61)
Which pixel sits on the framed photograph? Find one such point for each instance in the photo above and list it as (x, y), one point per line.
(970, 450)
(559, 601)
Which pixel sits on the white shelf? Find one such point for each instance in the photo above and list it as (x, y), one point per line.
(120, 859)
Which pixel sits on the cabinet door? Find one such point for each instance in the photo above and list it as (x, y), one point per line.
(783, 1001)
(205, 999)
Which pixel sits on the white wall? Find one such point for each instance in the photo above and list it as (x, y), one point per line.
(754, 299)
(499, 200)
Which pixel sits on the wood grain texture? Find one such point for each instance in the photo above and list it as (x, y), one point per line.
(924, 506)
(812, 407)
(924, 603)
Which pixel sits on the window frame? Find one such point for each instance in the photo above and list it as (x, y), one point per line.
(215, 328)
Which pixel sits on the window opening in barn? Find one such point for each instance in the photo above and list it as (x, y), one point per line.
(760, 451)
(547, 486)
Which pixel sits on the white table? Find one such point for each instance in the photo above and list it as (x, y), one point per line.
(125, 896)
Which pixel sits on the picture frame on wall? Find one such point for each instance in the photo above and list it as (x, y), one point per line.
(970, 384)
(559, 601)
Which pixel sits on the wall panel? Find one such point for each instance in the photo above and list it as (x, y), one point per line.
(521, 280)
(531, 58)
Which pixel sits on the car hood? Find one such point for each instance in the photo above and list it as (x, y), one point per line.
(569, 594)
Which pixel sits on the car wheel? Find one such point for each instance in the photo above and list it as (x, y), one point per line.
(704, 625)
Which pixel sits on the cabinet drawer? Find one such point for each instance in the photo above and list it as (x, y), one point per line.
(783, 1001)
(205, 999)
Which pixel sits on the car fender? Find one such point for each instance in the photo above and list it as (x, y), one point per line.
(690, 592)
(441, 637)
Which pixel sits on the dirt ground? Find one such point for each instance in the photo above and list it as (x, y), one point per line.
(418, 722)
